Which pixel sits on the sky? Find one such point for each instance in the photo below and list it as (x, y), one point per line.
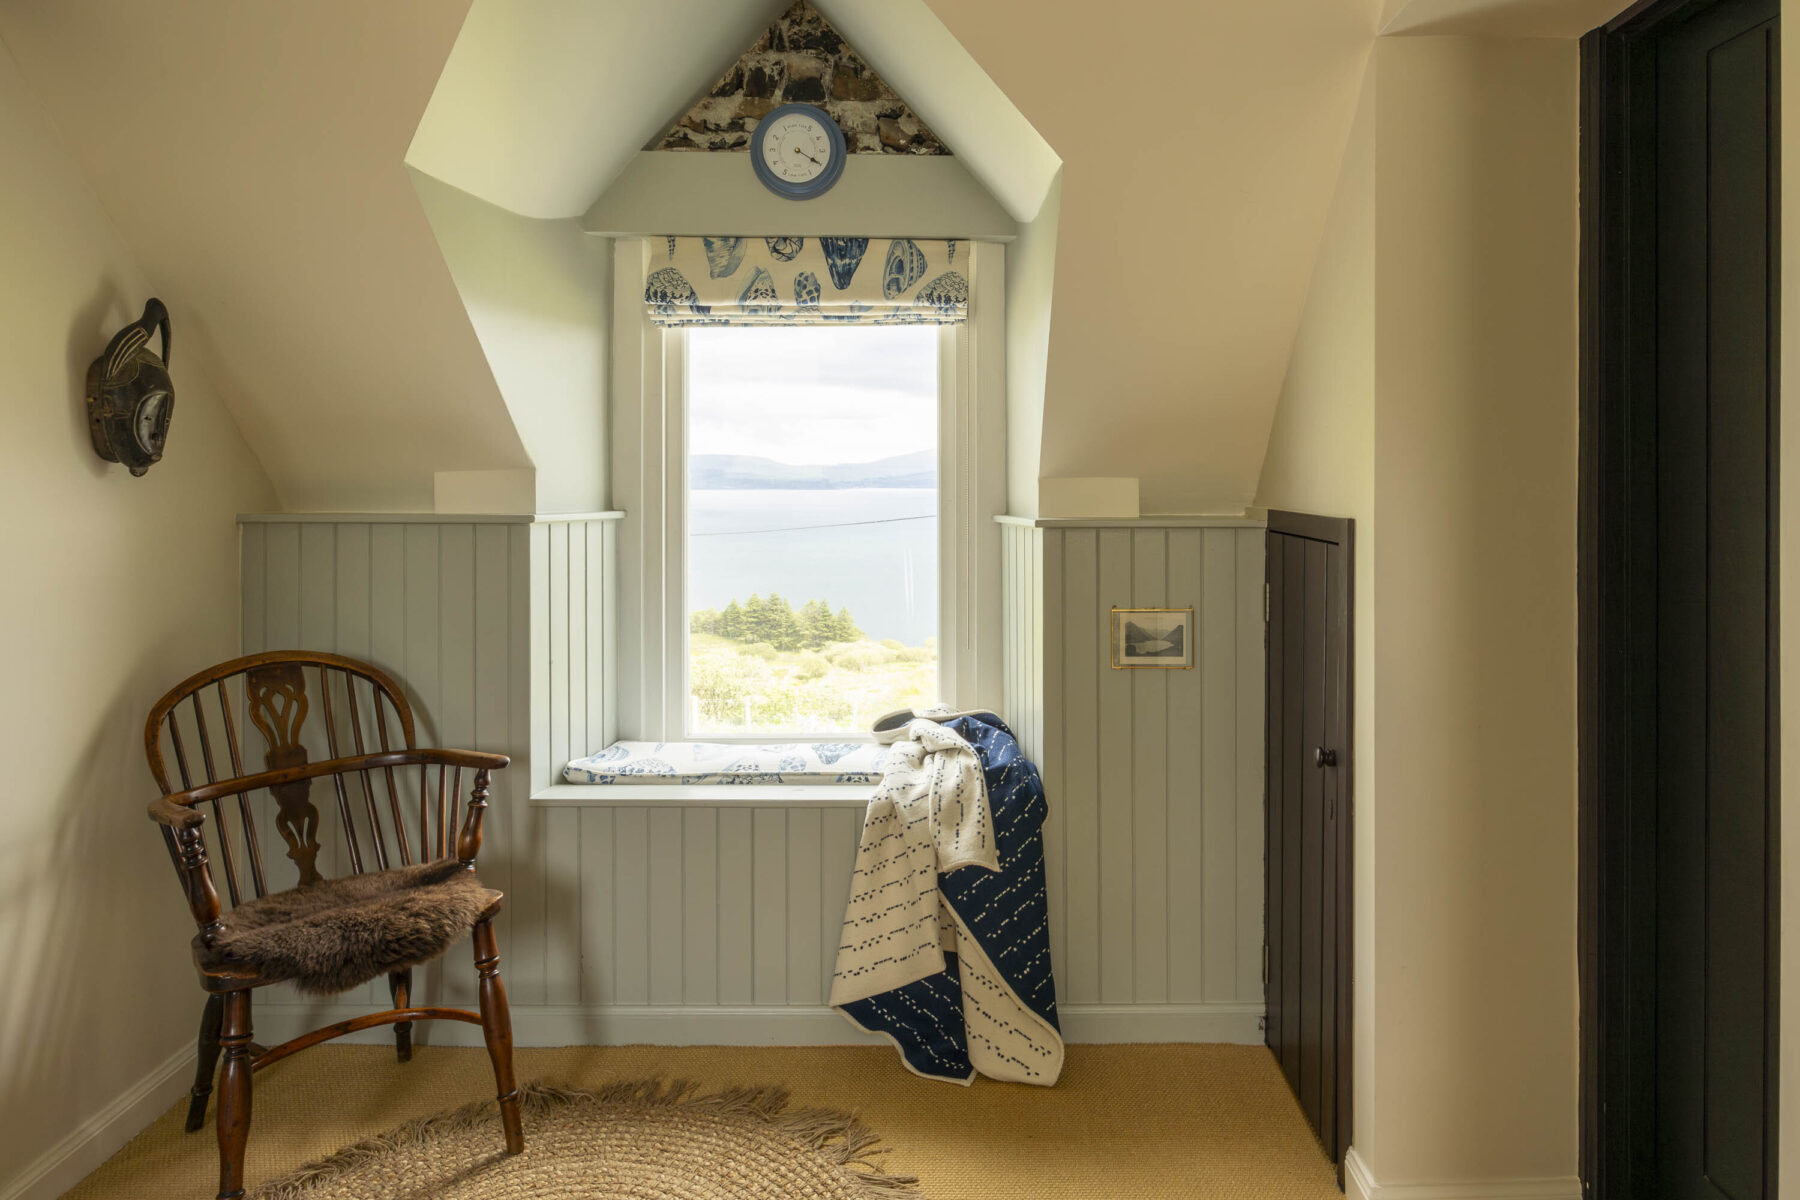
(813, 394)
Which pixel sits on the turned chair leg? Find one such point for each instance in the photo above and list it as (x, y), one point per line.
(234, 1093)
(208, 1061)
(400, 988)
(496, 1027)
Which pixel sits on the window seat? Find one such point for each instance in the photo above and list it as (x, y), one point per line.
(716, 763)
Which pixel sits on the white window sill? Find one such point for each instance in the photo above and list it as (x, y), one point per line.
(702, 795)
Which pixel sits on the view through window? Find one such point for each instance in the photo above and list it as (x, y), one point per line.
(812, 527)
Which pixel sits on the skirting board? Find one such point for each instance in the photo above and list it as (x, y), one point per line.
(97, 1139)
(1360, 1184)
(773, 1025)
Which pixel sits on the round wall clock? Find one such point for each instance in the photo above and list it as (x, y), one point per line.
(798, 151)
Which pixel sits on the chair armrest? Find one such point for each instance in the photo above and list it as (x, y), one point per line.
(182, 824)
(175, 816)
(160, 809)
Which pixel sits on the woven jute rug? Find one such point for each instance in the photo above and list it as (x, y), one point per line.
(631, 1141)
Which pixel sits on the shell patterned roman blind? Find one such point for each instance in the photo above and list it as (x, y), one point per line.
(806, 281)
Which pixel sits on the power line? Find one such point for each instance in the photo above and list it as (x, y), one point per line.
(798, 528)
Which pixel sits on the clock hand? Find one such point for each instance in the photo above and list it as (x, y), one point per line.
(809, 158)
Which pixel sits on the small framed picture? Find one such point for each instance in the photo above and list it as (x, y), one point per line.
(1154, 638)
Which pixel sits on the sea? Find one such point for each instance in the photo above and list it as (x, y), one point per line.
(871, 550)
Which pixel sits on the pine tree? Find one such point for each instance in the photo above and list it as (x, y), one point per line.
(783, 626)
(817, 625)
(755, 620)
(731, 623)
(845, 627)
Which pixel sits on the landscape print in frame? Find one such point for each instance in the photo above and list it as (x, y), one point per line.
(1152, 639)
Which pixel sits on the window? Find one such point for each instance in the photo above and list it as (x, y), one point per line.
(812, 527)
(732, 449)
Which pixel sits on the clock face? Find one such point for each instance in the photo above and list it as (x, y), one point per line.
(797, 149)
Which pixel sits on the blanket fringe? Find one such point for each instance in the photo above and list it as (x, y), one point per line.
(839, 1137)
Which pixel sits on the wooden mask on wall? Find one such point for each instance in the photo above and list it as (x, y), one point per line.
(130, 397)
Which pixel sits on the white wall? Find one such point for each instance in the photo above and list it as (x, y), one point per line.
(1321, 459)
(884, 195)
(1432, 395)
(539, 294)
(119, 588)
(1474, 618)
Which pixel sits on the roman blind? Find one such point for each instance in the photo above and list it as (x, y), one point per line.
(806, 281)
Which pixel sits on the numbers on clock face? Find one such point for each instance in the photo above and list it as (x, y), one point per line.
(796, 149)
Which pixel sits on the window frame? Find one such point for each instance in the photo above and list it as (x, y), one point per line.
(649, 484)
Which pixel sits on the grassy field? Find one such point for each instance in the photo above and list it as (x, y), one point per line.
(740, 687)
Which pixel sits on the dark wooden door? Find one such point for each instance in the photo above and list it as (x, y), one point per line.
(1679, 951)
(1307, 846)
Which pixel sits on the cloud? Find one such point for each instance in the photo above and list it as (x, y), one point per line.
(812, 395)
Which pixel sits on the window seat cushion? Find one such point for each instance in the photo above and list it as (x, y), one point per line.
(727, 762)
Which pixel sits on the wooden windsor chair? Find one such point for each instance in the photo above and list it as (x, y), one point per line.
(405, 888)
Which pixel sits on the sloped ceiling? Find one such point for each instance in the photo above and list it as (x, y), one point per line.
(543, 102)
(1200, 146)
(252, 155)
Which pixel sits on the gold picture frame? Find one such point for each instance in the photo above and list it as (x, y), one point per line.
(1153, 639)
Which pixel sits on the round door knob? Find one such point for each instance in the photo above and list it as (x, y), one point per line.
(1324, 758)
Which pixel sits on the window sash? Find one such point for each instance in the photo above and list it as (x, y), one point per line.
(649, 454)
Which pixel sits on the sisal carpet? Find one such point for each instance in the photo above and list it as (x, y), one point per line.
(1126, 1121)
(633, 1141)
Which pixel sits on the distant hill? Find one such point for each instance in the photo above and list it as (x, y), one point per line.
(734, 472)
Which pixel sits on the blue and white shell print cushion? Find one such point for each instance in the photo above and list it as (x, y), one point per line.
(719, 762)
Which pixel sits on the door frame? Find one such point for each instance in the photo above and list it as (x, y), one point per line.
(1616, 633)
(1339, 531)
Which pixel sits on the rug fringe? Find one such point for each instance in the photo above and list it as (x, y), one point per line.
(840, 1137)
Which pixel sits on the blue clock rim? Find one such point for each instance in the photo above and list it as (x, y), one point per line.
(812, 187)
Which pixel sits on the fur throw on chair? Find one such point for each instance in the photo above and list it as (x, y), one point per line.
(338, 933)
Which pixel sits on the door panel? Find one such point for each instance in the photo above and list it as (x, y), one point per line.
(1714, 389)
(1291, 740)
(1680, 200)
(1308, 866)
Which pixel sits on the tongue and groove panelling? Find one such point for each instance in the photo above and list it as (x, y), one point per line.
(718, 922)
(1154, 844)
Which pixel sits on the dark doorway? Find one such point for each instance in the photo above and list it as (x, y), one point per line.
(1308, 817)
(1680, 217)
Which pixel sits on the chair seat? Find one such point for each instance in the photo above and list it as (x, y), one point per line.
(333, 935)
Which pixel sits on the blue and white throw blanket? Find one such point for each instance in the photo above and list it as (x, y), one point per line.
(946, 941)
